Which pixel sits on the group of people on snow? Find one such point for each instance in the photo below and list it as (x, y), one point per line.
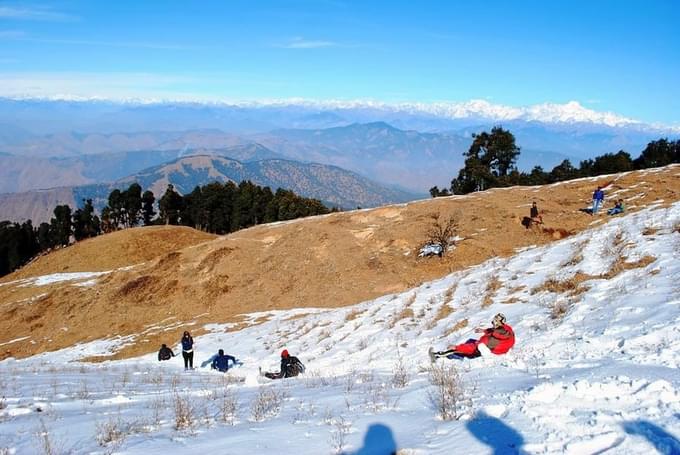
(497, 339)
(535, 216)
(290, 365)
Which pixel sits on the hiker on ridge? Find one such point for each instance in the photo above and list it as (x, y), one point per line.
(221, 361)
(165, 353)
(598, 199)
(535, 215)
(188, 351)
(290, 367)
(497, 339)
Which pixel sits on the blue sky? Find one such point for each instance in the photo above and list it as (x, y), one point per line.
(619, 56)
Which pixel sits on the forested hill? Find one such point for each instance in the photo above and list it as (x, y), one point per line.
(330, 184)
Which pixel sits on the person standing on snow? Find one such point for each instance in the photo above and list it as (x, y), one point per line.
(290, 367)
(188, 351)
(165, 353)
(598, 199)
(497, 340)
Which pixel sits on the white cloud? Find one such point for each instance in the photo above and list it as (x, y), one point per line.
(301, 43)
(34, 14)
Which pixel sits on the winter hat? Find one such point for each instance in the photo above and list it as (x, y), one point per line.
(284, 353)
(221, 352)
(499, 319)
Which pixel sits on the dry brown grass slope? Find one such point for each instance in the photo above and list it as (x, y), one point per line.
(328, 261)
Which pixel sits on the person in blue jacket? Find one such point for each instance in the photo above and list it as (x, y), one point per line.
(188, 351)
(598, 199)
(221, 361)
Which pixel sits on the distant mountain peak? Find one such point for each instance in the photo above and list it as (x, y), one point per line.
(328, 112)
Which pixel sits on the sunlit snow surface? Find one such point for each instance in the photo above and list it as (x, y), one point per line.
(601, 378)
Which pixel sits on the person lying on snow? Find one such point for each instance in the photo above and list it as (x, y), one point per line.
(221, 362)
(290, 367)
(497, 340)
(165, 353)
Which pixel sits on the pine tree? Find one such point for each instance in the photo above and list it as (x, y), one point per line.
(170, 205)
(148, 212)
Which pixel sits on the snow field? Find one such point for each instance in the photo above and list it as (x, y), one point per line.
(595, 367)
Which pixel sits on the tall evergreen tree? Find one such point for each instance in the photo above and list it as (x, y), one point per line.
(659, 153)
(488, 161)
(170, 205)
(148, 211)
(60, 225)
(132, 204)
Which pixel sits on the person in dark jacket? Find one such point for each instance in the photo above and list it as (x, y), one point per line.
(165, 353)
(618, 208)
(535, 214)
(221, 362)
(290, 367)
(188, 351)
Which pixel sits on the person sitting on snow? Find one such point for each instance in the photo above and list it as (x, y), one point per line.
(290, 367)
(165, 353)
(618, 208)
(221, 362)
(535, 215)
(497, 340)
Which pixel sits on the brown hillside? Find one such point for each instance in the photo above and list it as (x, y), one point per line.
(327, 261)
(113, 251)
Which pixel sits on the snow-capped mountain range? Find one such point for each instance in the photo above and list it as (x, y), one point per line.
(572, 112)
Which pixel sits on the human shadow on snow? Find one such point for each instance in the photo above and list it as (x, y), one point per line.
(662, 441)
(378, 441)
(503, 439)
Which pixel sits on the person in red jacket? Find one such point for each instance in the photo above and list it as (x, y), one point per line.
(497, 339)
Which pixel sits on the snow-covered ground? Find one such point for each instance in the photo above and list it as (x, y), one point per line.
(595, 368)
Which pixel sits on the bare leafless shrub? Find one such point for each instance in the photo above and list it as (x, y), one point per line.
(447, 394)
(157, 407)
(442, 232)
(228, 407)
(46, 444)
(110, 433)
(184, 413)
(267, 403)
(362, 344)
(83, 392)
(400, 374)
(559, 308)
(338, 437)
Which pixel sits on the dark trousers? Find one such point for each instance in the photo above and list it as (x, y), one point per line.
(188, 359)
